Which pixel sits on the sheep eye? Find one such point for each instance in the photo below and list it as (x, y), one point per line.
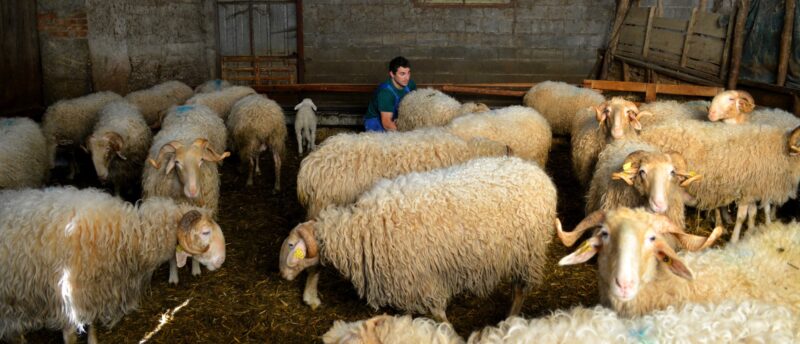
(672, 173)
(606, 111)
(652, 238)
(207, 233)
(642, 173)
(604, 234)
(291, 245)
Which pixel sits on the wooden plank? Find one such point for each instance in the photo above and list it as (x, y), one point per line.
(688, 90)
(703, 5)
(632, 49)
(482, 91)
(703, 67)
(633, 35)
(688, 37)
(673, 72)
(683, 89)
(708, 24)
(786, 42)
(726, 51)
(622, 11)
(669, 24)
(637, 16)
(622, 86)
(668, 41)
(738, 43)
(664, 58)
(646, 45)
(650, 92)
(626, 73)
(706, 49)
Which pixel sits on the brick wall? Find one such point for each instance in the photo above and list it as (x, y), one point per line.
(531, 40)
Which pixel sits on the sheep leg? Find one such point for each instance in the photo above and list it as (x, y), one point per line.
(741, 214)
(752, 211)
(258, 163)
(718, 218)
(92, 335)
(773, 212)
(726, 216)
(69, 335)
(276, 157)
(250, 167)
(173, 271)
(195, 267)
(299, 133)
(310, 294)
(518, 298)
(73, 166)
(312, 138)
(767, 213)
(440, 315)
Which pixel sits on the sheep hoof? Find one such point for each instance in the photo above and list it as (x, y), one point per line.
(312, 301)
(195, 268)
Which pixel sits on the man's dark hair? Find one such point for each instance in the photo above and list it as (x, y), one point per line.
(398, 62)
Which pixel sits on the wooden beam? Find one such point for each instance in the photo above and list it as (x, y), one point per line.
(703, 5)
(786, 42)
(619, 19)
(482, 91)
(301, 54)
(650, 93)
(671, 72)
(626, 73)
(688, 37)
(726, 49)
(517, 89)
(686, 90)
(738, 43)
(648, 30)
(797, 105)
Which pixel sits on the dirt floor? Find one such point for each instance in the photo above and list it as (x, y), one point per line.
(247, 301)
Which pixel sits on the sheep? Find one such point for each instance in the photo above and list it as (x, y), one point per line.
(68, 122)
(73, 257)
(418, 240)
(305, 125)
(189, 140)
(346, 165)
(654, 113)
(631, 173)
(255, 124)
(429, 107)
(24, 159)
(594, 127)
(212, 85)
(387, 329)
(522, 129)
(155, 101)
(726, 322)
(559, 102)
(222, 101)
(119, 144)
(737, 107)
(639, 273)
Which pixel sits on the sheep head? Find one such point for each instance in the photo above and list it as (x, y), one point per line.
(188, 160)
(653, 174)
(103, 149)
(631, 248)
(470, 107)
(306, 102)
(200, 237)
(731, 106)
(299, 250)
(618, 118)
(793, 143)
(359, 332)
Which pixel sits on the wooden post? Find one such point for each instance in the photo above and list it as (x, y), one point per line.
(650, 93)
(703, 5)
(646, 45)
(738, 43)
(689, 32)
(301, 55)
(786, 42)
(797, 105)
(622, 10)
(660, 8)
(726, 49)
(626, 73)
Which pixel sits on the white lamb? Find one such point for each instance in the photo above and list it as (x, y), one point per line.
(305, 125)
(24, 157)
(255, 124)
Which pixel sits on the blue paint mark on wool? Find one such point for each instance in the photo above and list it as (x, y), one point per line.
(640, 334)
(183, 108)
(8, 122)
(218, 84)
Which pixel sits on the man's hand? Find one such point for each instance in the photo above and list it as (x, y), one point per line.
(387, 122)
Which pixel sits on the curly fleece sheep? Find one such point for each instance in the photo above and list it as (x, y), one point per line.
(221, 102)
(154, 102)
(24, 159)
(428, 107)
(559, 103)
(255, 124)
(417, 241)
(72, 257)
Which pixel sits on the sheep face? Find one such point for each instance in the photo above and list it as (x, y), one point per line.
(306, 102)
(618, 118)
(632, 249)
(471, 107)
(188, 161)
(103, 149)
(653, 175)
(299, 251)
(731, 106)
(359, 332)
(200, 237)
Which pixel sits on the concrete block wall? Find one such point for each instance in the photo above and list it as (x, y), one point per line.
(530, 40)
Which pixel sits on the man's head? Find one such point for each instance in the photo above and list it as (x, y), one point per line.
(400, 71)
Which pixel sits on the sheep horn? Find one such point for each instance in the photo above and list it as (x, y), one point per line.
(306, 231)
(793, 137)
(690, 242)
(592, 220)
(690, 178)
(170, 147)
(208, 153)
(185, 227)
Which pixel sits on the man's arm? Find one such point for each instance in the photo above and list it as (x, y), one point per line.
(386, 121)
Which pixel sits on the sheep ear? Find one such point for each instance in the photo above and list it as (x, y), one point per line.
(180, 256)
(313, 106)
(744, 102)
(587, 250)
(636, 124)
(670, 259)
(297, 106)
(599, 115)
(626, 177)
(170, 165)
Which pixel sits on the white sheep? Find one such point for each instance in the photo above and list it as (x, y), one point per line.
(387, 329)
(305, 125)
(429, 107)
(187, 144)
(154, 102)
(71, 258)
(559, 102)
(525, 132)
(68, 122)
(639, 273)
(221, 102)
(346, 165)
(212, 86)
(257, 123)
(418, 240)
(119, 144)
(24, 157)
(654, 113)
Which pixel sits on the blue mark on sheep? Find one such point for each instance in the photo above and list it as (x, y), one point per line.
(183, 108)
(218, 84)
(8, 122)
(640, 334)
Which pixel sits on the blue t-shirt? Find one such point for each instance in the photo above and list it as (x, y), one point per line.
(384, 99)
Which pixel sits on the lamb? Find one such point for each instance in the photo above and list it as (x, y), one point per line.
(346, 165)
(70, 257)
(189, 140)
(305, 125)
(222, 101)
(155, 101)
(559, 103)
(119, 144)
(24, 158)
(68, 122)
(387, 329)
(522, 129)
(429, 107)
(212, 86)
(631, 173)
(639, 273)
(617, 119)
(255, 124)
(418, 240)
(737, 107)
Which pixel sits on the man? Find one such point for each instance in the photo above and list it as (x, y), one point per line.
(382, 110)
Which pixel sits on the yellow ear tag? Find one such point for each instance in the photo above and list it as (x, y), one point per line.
(178, 249)
(299, 254)
(692, 173)
(627, 167)
(585, 247)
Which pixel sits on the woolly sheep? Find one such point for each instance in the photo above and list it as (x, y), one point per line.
(155, 101)
(24, 159)
(221, 101)
(418, 240)
(522, 129)
(189, 140)
(595, 127)
(68, 122)
(212, 85)
(346, 165)
(558, 102)
(72, 257)
(255, 124)
(385, 329)
(305, 125)
(119, 144)
(654, 113)
(431, 108)
(639, 273)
